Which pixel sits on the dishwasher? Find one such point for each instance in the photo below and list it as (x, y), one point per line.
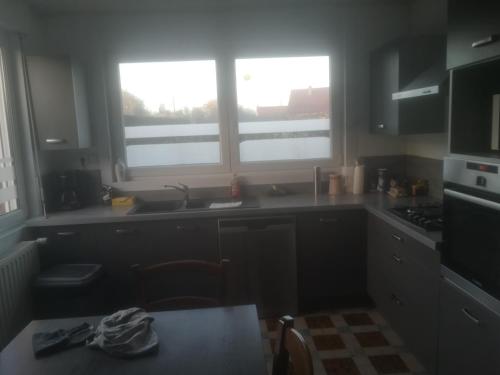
(263, 265)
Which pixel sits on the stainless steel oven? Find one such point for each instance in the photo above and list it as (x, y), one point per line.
(471, 215)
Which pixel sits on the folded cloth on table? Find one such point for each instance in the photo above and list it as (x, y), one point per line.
(126, 333)
(46, 343)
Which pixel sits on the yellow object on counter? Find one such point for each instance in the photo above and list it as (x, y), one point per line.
(123, 201)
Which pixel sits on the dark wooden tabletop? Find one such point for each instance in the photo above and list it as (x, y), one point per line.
(214, 341)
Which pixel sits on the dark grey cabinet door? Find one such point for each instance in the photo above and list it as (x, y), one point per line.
(331, 257)
(70, 244)
(384, 82)
(473, 31)
(153, 242)
(262, 264)
(469, 335)
(403, 281)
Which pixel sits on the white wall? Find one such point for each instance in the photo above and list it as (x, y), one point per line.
(97, 38)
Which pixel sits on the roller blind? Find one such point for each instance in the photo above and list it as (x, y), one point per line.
(8, 188)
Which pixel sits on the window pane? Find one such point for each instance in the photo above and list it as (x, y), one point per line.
(8, 190)
(284, 108)
(170, 113)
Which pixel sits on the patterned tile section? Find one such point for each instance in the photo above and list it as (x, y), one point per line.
(354, 342)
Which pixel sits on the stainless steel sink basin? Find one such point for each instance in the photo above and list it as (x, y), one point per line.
(155, 207)
(158, 207)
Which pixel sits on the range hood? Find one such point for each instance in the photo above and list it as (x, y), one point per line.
(430, 82)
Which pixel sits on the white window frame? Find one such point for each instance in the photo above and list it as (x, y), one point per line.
(14, 219)
(280, 165)
(228, 123)
(176, 170)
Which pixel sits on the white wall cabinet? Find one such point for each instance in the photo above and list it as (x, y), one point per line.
(59, 100)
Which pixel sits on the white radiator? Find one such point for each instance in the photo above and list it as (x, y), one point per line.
(17, 272)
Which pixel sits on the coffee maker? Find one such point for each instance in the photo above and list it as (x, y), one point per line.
(68, 199)
(71, 189)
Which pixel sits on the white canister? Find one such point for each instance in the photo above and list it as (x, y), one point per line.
(359, 179)
(348, 176)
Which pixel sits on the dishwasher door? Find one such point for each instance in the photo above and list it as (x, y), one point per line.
(263, 266)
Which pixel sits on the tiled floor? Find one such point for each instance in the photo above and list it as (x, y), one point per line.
(354, 342)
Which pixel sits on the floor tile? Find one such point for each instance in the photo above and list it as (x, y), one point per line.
(348, 342)
(358, 319)
(328, 342)
(341, 366)
(389, 364)
(272, 324)
(371, 339)
(319, 322)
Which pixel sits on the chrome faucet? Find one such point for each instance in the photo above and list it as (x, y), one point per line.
(182, 188)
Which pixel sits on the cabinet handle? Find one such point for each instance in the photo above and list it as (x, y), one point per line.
(470, 316)
(484, 42)
(397, 238)
(396, 300)
(328, 221)
(380, 126)
(66, 234)
(125, 231)
(184, 228)
(396, 258)
(55, 141)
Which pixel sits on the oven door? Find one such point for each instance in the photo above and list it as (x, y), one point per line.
(471, 236)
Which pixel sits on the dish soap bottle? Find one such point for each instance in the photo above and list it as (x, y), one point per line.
(235, 187)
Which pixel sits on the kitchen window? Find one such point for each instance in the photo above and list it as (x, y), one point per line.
(283, 108)
(170, 113)
(225, 115)
(8, 187)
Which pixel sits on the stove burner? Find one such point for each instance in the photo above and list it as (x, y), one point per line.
(428, 216)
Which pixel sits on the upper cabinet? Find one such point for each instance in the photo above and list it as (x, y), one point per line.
(473, 31)
(407, 86)
(59, 102)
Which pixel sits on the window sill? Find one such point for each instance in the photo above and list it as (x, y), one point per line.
(222, 179)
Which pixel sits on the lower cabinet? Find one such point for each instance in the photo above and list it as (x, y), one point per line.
(118, 246)
(469, 335)
(331, 258)
(403, 280)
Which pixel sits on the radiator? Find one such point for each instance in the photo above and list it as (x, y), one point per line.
(17, 272)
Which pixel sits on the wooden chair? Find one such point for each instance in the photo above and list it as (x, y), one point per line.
(292, 354)
(148, 276)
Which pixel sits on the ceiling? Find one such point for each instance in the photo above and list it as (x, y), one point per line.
(78, 6)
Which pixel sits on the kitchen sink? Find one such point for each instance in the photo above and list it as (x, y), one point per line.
(158, 207)
(155, 207)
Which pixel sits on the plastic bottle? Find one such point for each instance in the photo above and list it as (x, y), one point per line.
(235, 187)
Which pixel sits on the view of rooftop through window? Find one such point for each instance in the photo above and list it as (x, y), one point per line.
(170, 113)
(283, 108)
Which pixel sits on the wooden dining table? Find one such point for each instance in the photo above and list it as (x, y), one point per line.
(213, 341)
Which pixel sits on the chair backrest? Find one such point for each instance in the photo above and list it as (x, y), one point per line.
(153, 275)
(292, 354)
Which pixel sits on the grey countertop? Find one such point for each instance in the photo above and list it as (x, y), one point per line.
(374, 203)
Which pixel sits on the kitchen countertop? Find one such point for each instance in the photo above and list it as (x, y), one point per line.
(374, 203)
